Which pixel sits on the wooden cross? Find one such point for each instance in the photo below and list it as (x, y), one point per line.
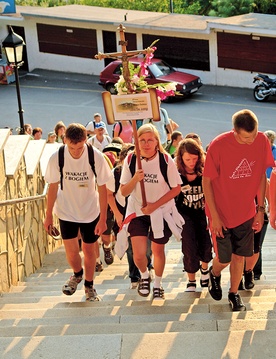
(124, 56)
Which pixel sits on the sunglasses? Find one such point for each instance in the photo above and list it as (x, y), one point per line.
(192, 136)
(54, 232)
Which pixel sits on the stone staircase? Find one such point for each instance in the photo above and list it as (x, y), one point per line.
(38, 321)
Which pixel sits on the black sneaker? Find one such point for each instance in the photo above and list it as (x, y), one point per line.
(241, 285)
(248, 279)
(236, 302)
(214, 286)
(108, 255)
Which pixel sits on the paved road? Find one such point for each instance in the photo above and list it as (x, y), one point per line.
(48, 97)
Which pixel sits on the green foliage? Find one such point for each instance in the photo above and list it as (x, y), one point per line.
(222, 8)
(226, 8)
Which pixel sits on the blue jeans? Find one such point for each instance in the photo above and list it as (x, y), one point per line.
(134, 273)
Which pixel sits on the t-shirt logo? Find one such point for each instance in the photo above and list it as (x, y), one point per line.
(243, 169)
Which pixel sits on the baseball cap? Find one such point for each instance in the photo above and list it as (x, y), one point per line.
(100, 125)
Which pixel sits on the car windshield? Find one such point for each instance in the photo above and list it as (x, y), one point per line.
(160, 69)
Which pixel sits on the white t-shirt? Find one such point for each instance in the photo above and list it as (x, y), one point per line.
(161, 125)
(155, 184)
(91, 127)
(99, 145)
(79, 199)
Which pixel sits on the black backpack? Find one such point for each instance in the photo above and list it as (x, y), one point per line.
(163, 162)
(61, 161)
(120, 128)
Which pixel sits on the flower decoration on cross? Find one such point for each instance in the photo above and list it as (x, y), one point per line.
(136, 82)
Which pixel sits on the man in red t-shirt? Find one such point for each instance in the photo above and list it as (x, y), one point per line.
(234, 175)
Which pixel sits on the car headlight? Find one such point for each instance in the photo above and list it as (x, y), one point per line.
(184, 87)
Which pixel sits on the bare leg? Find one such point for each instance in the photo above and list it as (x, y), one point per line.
(236, 272)
(251, 261)
(72, 254)
(218, 267)
(159, 258)
(89, 252)
(139, 247)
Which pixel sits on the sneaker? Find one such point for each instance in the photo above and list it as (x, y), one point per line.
(91, 294)
(241, 285)
(236, 302)
(214, 286)
(99, 267)
(248, 279)
(191, 287)
(133, 285)
(158, 293)
(108, 255)
(257, 276)
(71, 285)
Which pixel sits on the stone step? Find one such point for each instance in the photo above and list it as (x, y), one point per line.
(208, 345)
(134, 308)
(112, 327)
(125, 295)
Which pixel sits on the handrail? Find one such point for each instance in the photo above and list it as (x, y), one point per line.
(25, 199)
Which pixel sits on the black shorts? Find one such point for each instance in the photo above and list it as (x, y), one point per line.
(141, 226)
(238, 240)
(70, 230)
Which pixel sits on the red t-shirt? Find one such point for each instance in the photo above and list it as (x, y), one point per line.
(235, 171)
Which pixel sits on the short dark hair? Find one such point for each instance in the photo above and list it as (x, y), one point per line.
(76, 132)
(245, 120)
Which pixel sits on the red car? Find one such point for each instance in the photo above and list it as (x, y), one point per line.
(159, 72)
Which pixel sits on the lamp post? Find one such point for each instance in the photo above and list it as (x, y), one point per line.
(13, 46)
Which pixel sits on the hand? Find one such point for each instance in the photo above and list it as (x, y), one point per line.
(139, 175)
(48, 222)
(272, 220)
(258, 222)
(100, 227)
(148, 209)
(217, 227)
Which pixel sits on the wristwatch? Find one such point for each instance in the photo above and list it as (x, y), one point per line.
(260, 209)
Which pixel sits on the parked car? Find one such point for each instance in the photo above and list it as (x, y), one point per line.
(159, 72)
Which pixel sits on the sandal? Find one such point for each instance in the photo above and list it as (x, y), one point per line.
(204, 280)
(144, 287)
(158, 293)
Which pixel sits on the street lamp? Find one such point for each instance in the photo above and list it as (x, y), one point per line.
(13, 46)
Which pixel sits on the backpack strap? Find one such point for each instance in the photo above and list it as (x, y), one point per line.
(91, 158)
(61, 164)
(61, 161)
(120, 128)
(163, 163)
(131, 160)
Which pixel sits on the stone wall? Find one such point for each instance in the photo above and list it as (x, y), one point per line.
(23, 240)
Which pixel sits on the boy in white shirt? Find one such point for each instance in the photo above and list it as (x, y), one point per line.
(78, 205)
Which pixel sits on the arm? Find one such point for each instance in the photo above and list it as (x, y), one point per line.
(112, 203)
(216, 224)
(151, 207)
(51, 198)
(127, 188)
(101, 225)
(259, 217)
(169, 128)
(272, 199)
